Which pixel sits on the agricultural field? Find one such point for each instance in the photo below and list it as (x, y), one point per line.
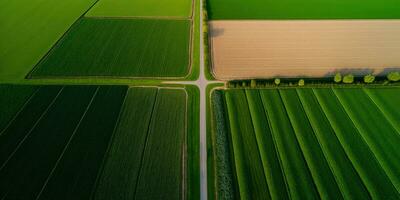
(100, 142)
(305, 143)
(245, 49)
(149, 8)
(30, 28)
(120, 48)
(310, 9)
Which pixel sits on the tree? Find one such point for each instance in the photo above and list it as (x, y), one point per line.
(349, 78)
(369, 78)
(277, 81)
(301, 82)
(337, 78)
(253, 83)
(393, 76)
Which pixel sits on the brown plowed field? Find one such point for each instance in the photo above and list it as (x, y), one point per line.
(313, 48)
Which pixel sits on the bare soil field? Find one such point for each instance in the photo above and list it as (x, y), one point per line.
(303, 48)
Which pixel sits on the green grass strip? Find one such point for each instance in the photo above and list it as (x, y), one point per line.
(266, 146)
(377, 132)
(387, 99)
(161, 174)
(346, 176)
(249, 170)
(364, 161)
(26, 172)
(121, 168)
(20, 127)
(13, 98)
(193, 142)
(75, 174)
(315, 159)
(297, 174)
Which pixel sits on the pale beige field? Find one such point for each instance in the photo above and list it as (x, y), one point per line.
(312, 48)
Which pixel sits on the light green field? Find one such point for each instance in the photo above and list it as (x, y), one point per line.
(30, 28)
(146, 8)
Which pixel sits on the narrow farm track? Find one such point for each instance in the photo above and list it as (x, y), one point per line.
(201, 83)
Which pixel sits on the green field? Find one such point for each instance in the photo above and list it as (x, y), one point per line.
(120, 48)
(307, 143)
(310, 9)
(102, 142)
(148, 8)
(30, 28)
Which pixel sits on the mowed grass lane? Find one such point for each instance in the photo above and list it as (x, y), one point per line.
(148, 8)
(385, 144)
(320, 170)
(102, 47)
(29, 28)
(266, 145)
(299, 181)
(311, 9)
(364, 161)
(318, 143)
(387, 100)
(334, 153)
(248, 164)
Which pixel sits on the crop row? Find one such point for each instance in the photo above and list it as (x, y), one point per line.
(329, 143)
(102, 142)
(120, 47)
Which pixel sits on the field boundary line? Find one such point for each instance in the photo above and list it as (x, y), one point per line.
(33, 127)
(62, 38)
(166, 18)
(278, 155)
(20, 110)
(341, 145)
(67, 145)
(184, 150)
(319, 143)
(146, 141)
(381, 110)
(298, 143)
(255, 138)
(362, 138)
(59, 40)
(110, 144)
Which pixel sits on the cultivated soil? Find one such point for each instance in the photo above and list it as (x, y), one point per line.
(306, 48)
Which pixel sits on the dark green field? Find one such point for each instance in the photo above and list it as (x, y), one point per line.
(97, 47)
(310, 9)
(305, 143)
(101, 142)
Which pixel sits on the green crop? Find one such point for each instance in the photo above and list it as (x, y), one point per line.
(120, 48)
